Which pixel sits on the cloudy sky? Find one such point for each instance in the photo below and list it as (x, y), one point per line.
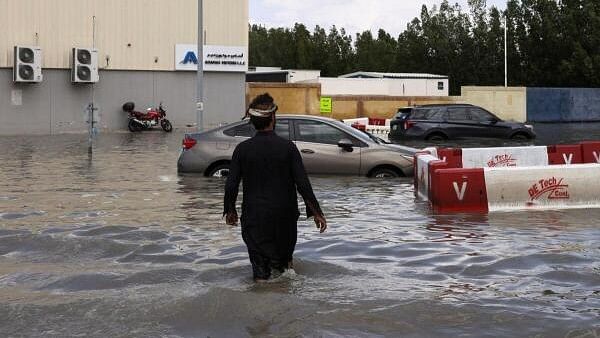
(354, 15)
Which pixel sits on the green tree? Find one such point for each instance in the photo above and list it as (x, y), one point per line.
(303, 47)
(340, 55)
(550, 43)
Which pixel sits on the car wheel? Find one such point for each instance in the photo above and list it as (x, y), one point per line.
(520, 137)
(384, 173)
(222, 170)
(436, 137)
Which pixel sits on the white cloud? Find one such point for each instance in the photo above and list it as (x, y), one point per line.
(353, 15)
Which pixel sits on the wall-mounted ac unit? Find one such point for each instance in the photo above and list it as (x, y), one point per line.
(84, 65)
(27, 66)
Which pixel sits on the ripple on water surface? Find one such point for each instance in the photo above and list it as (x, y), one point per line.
(120, 236)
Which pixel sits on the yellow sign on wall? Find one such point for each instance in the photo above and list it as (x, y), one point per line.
(326, 105)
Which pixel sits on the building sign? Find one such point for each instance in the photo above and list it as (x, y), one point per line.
(326, 105)
(216, 58)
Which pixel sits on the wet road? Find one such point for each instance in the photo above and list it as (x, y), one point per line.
(118, 245)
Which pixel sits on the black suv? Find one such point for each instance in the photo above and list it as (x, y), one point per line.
(446, 121)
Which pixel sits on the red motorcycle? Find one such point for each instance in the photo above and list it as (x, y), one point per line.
(139, 121)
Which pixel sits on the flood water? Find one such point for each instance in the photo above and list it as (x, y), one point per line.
(117, 244)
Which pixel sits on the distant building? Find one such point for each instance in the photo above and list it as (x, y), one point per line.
(127, 50)
(358, 83)
(275, 74)
(390, 84)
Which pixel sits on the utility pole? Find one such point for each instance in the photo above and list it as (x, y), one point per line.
(506, 49)
(91, 108)
(200, 77)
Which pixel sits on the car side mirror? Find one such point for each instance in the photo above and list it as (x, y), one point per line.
(346, 145)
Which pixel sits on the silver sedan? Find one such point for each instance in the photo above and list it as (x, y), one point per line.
(327, 147)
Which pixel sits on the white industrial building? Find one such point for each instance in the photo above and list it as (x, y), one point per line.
(390, 84)
(132, 50)
(277, 74)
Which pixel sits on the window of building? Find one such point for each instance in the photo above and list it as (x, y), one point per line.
(441, 85)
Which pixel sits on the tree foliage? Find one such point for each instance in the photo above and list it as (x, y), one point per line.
(550, 43)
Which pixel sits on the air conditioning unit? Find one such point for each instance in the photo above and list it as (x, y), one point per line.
(27, 66)
(84, 65)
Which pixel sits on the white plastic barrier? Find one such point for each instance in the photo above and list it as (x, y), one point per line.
(363, 120)
(549, 187)
(517, 178)
(504, 157)
(432, 151)
(422, 175)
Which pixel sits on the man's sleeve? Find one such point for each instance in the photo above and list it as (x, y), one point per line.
(233, 183)
(303, 184)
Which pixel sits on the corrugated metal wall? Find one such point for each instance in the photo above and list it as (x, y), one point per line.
(563, 104)
(130, 34)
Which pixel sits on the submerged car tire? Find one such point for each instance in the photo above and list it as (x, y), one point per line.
(134, 126)
(520, 137)
(436, 137)
(166, 126)
(384, 173)
(222, 170)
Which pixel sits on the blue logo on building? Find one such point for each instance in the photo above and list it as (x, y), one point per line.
(190, 57)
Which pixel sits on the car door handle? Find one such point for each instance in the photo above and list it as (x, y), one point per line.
(307, 151)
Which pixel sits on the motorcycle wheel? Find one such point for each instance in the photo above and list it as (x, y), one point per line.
(166, 126)
(134, 126)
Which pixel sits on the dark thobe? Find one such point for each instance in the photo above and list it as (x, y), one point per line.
(271, 169)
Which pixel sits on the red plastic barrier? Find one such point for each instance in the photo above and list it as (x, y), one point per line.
(359, 126)
(376, 121)
(433, 167)
(591, 151)
(452, 156)
(564, 154)
(458, 190)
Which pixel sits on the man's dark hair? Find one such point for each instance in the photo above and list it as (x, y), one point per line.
(263, 101)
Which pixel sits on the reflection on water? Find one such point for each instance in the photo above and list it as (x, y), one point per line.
(118, 244)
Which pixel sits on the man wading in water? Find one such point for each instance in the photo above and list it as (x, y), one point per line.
(271, 169)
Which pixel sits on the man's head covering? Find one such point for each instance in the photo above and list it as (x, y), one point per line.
(262, 106)
(262, 112)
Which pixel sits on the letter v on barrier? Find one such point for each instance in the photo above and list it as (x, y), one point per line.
(568, 159)
(597, 157)
(460, 194)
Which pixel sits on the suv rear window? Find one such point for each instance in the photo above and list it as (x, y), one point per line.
(436, 114)
(403, 113)
(419, 114)
(458, 114)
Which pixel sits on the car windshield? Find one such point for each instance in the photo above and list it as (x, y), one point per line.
(375, 138)
(361, 135)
